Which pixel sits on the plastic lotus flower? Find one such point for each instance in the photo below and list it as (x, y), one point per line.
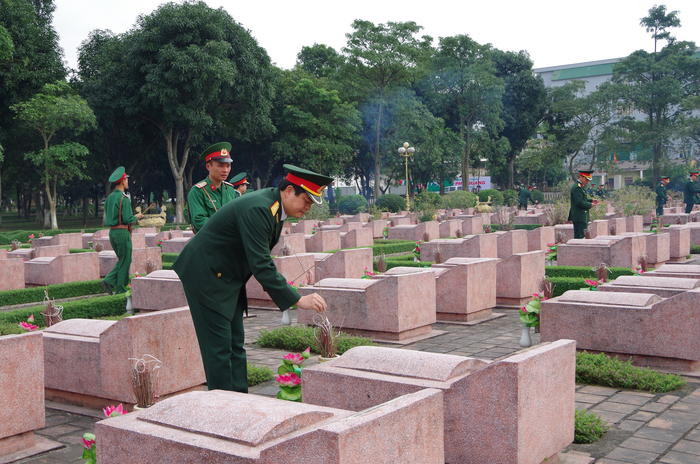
(294, 358)
(368, 274)
(288, 380)
(113, 411)
(30, 318)
(593, 284)
(28, 326)
(30, 236)
(88, 440)
(90, 451)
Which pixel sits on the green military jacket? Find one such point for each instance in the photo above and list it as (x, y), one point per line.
(116, 200)
(661, 195)
(232, 246)
(580, 204)
(690, 192)
(203, 202)
(523, 196)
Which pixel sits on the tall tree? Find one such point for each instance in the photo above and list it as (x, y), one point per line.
(466, 92)
(320, 60)
(382, 57)
(656, 84)
(56, 108)
(524, 100)
(193, 71)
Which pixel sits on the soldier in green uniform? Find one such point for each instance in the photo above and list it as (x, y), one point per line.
(119, 218)
(580, 204)
(661, 195)
(692, 188)
(240, 183)
(600, 192)
(523, 197)
(232, 246)
(209, 195)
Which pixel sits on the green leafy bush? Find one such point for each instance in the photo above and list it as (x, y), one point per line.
(695, 249)
(258, 374)
(510, 197)
(56, 291)
(564, 284)
(536, 196)
(397, 262)
(352, 204)
(388, 247)
(320, 212)
(459, 199)
(633, 200)
(584, 272)
(169, 257)
(496, 196)
(588, 427)
(601, 369)
(428, 200)
(81, 250)
(297, 339)
(390, 202)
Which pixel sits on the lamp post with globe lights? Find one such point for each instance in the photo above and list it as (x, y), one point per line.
(406, 152)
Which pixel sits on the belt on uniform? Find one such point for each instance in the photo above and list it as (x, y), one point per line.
(120, 226)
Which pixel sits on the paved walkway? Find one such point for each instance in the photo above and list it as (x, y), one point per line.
(646, 428)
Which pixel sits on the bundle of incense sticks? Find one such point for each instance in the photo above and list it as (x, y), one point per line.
(144, 380)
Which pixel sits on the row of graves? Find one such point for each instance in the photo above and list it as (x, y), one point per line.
(378, 404)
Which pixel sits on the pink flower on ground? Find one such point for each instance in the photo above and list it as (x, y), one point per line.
(551, 244)
(112, 411)
(31, 236)
(288, 380)
(27, 326)
(522, 308)
(592, 283)
(88, 443)
(30, 318)
(294, 358)
(306, 352)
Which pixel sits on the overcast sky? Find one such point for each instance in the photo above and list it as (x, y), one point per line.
(554, 32)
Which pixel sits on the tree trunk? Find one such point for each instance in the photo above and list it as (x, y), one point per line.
(511, 171)
(51, 198)
(85, 210)
(465, 155)
(377, 152)
(177, 167)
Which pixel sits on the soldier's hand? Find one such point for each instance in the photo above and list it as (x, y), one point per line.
(139, 215)
(313, 301)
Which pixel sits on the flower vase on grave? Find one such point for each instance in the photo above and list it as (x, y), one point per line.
(525, 339)
(286, 319)
(129, 306)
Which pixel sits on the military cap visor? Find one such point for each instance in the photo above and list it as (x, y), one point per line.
(694, 173)
(118, 175)
(218, 152)
(240, 179)
(587, 174)
(313, 183)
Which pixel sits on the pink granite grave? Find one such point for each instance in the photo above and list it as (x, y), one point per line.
(87, 241)
(643, 327)
(511, 242)
(664, 287)
(688, 271)
(138, 240)
(634, 223)
(680, 242)
(323, 240)
(354, 238)
(25, 254)
(174, 245)
(540, 238)
(334, 221)
(359, 217)
(416, 232)
(658, 248)
(400, 220)
(154, 238)
(518, 277)
(599, 227)
(299, 269)
(378, 226)
(289, 244)
(472, 225)
(471, 246)
(530, 218)
(563, 232)
(22, 397)
(143, 260)
(60, 269)
(103, 348)
(158, 290)
(519, 410)
(617, 226)
(388, 307)
(451, 228)
(407, 430)
(351, 264)
(71, 240)
(694, 232)
(680, 218)
(616, 251)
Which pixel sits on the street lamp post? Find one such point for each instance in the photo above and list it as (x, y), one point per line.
(406, 151)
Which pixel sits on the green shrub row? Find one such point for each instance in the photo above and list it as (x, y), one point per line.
(497, 227)
(56, 291)
(588, 427)
(601, 369)
(81, 250)
(88, 308)
(584, 272)
(298, 338)
(695, 249)
(390, 263)
(564, 284)
(258, 374)
(169, 257)
(396, 246)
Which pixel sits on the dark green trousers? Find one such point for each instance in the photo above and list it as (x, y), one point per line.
(580, 229)
(659, 210)
(689, 207)
(118, 277)
(221, 346)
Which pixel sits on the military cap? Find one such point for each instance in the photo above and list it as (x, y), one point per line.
(240, 179)
(218, 152)
(118, 175)
(665, 177)
(312, 182)
(587, 174)
(694, 173)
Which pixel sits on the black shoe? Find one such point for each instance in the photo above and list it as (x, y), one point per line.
(107, 288)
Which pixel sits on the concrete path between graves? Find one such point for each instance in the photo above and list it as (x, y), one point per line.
(646, 428)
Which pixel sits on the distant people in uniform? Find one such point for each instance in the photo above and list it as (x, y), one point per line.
(240, 183)
(581, 204)
(690, 192)
(662, 195)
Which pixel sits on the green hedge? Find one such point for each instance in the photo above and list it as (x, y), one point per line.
(497, 227)
(695, 249)
(259, 374)
(584, 272)
(588, 427)
(169, 257)
(56, 291)
(81, 250)
(601, 369)
(298, 338)
(563, 284)
(89, 308)
(388, 247)
(390, 263)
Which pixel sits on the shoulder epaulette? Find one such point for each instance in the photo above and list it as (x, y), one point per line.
(227, 183)
(201, 184)
(274, 208)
